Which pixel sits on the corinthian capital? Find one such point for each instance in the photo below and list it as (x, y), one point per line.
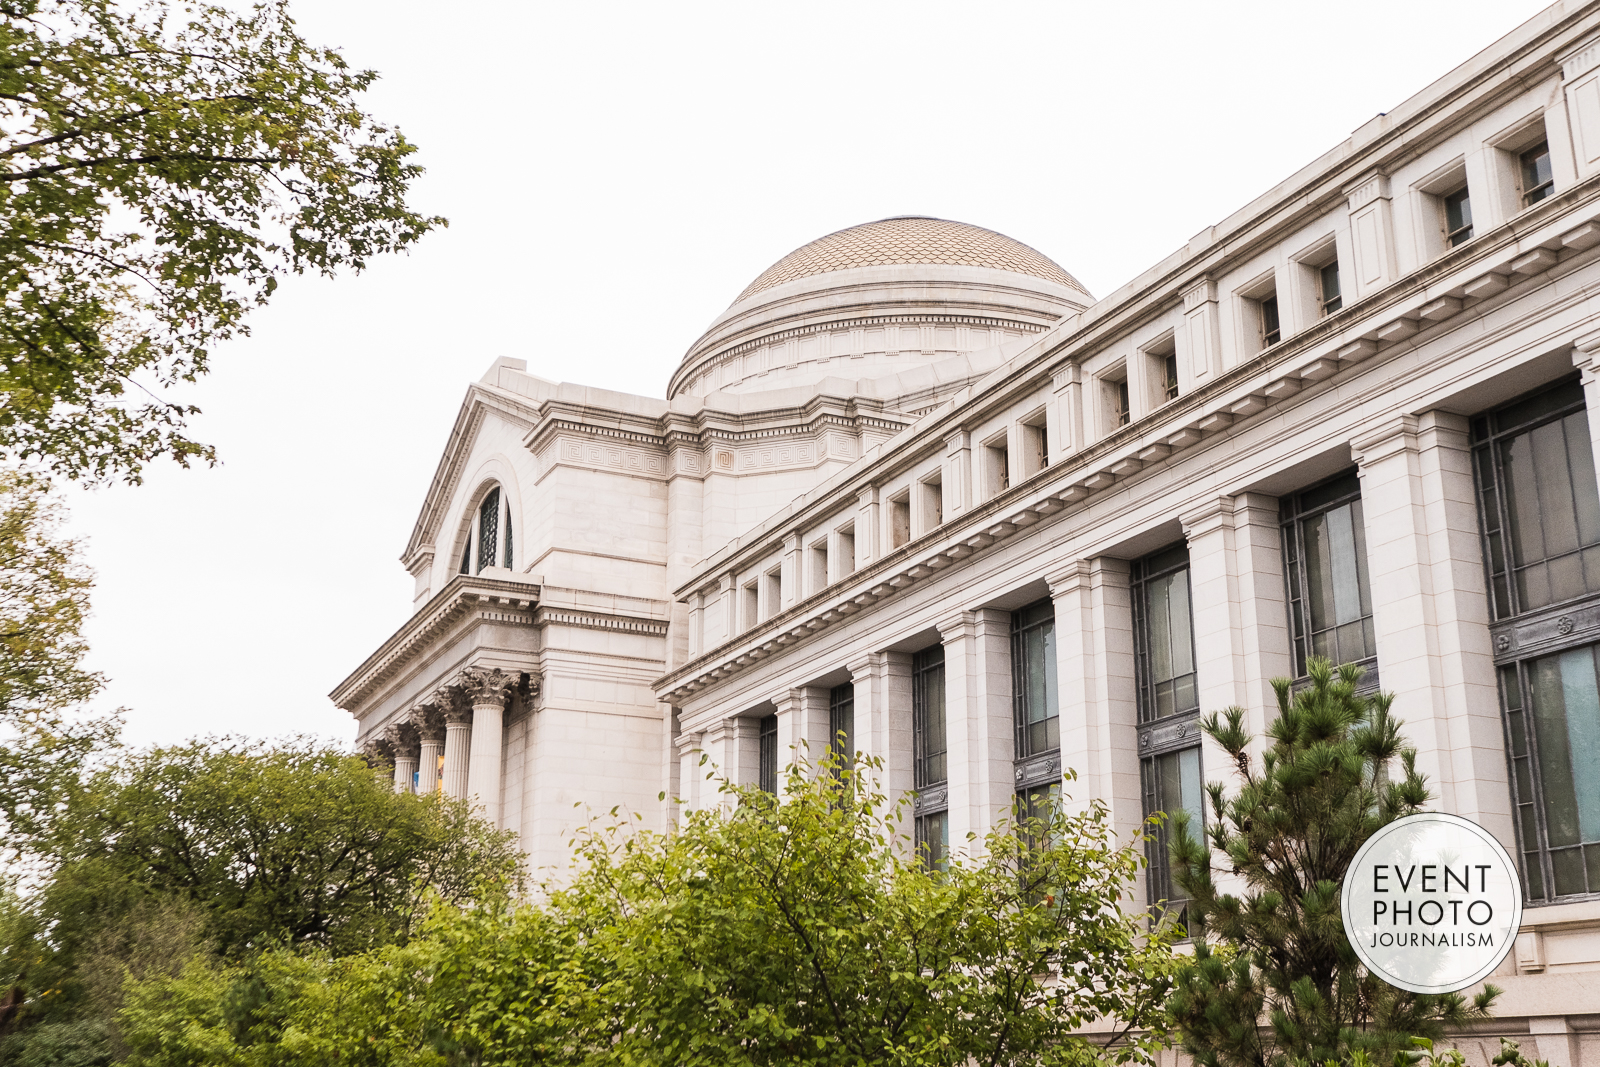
(487, 686)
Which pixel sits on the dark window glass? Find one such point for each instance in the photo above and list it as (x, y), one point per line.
(927, 717)
(1553, 743)
(1164, 635)
(769, 755)
(1124, 412)
(933, 839)
(1171, 784)
(1457, 218)
(1325, 563)
(508, 540)
(1033, 668)
(1169, 377)
(466, 556)
(1036, 803)
(488, 528)
(1537, 179)
(1329, 282)
(1271, 332)
(1538, 501)
(842, 724)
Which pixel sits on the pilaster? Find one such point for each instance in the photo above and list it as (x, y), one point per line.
(1586, 357)
(1430, 609)
(1371, 237)
(957, 477)
(1202, 331)
(978, 718)
(868, 533)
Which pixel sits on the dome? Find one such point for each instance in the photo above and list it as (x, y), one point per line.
(909, 239)
(876, 301)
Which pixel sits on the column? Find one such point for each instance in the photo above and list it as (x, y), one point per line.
(403, 737)
(1240, 615)
(430, 736)
(691, 774)
(957, 476)
(488, 691)
(869, 544)
(888, 730)
(978, 716)
(1066, 413)
(1372, 263)
(868, 699)
(1586, 357)
(457, 740)
(1202, 332)
(1430, 609)
(802, 727)
(1095, 679)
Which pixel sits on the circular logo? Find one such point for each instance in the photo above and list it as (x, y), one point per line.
(1432, 903)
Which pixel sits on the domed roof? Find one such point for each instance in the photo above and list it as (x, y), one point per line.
(909, 239)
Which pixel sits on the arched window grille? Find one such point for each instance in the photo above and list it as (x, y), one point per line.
(488, 541)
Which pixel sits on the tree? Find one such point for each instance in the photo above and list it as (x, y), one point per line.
(159, 170)
(1279, 951)
(793, 933)
(44, 600)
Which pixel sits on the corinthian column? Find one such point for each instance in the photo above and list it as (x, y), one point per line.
(487, 691)
(457, 742)
(403, 738)
(430, 736)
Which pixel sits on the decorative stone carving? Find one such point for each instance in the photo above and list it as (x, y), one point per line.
(487, 687)
(429, 723)
(452, 704)
(402, 739)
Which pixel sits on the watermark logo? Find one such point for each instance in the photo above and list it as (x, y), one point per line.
(1432, 903)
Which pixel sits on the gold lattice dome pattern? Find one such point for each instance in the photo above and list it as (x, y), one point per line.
(910, 239)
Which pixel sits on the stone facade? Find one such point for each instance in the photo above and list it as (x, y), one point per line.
(915, 462)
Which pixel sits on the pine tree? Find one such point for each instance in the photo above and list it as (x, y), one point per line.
(1274, 982)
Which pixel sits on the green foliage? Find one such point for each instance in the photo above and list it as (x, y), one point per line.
(159, 169)
(282, 844)
(774, 933)
(1289, 834)
(44, 599)
(1510, 1055)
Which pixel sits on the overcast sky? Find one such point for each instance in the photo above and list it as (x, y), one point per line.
(614, 175)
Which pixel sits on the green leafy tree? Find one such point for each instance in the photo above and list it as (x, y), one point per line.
(760, 932)
(160, 168)
(1277, 953)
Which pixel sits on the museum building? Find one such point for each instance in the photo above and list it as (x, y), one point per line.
(917, 486)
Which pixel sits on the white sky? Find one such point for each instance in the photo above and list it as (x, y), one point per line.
(614, 175)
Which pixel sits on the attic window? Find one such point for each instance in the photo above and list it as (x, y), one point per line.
(488, 528)
(483, 534)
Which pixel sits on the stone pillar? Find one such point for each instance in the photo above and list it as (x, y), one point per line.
(403, 738)
(691, 773)
(457, 742)
(978, 716)
(1202, 333)
(869, 538)
(802, 727)
(957, 477)
(1430, 609)
(1586, 357)
(488, 691)
(1095, 679)
(1372, 259)
(430, 736)
(1241, 632)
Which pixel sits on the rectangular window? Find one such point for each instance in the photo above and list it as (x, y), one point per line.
(1271, 329)
(1457, 218)
(900, 520)
(1033, 668)
(466, 555)
(1538, 181)
(774, 592)
(768, 734)
(1328, 289)
(1553, 743)
(932, 504)
(1172, 783)
(1325, 565)
(819, 566)
(1036, 802)
(1538, 501)
(751, 597)
(997, 463)
(1169, 376)
(488, 528)
(1036, 446)
(847, 550)
(842, 724)
(930, 749)
(1121, 410)
(1164, 635)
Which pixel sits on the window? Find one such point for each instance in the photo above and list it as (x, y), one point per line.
(1537, 179)
(1033, 667)
(1164, 635)
(488, 528)
(466, 557)
(774, 592)
(997, 466)
(819, 566)
(930, 757)
(768, 772)
(1169, 376)
(847, 550)
(932, 504)
(1457, 218)
(1172, 784)
(1036, 442)
(1553, 743)
(1537, 500)
(900, 520)
(1328, 296)
(1325, 565)
(842, 725)
(751, 598)
(1121, 411)
(1271, 330)
(1036, 802)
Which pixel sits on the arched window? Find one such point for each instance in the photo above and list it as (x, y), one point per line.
(488, 542)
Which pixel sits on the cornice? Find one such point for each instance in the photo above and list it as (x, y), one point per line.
(490, 599)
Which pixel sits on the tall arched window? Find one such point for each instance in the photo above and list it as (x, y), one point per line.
(488, 542)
